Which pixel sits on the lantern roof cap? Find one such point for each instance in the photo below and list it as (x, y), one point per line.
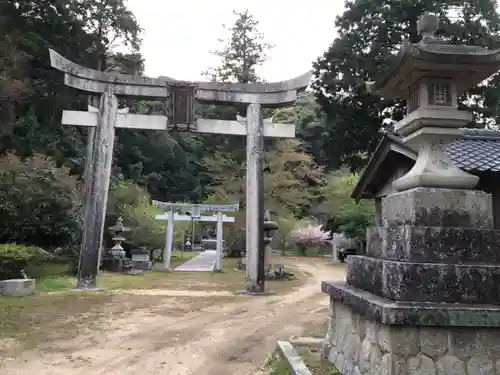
(433, 57)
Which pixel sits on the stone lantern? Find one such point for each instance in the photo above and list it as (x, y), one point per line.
(269, 227)
(117, 231)
(430, 76)
(425, 299)
(115, 258)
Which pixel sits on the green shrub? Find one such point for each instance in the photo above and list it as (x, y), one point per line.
(14, 258)
(145, 230)
(133, 204)
(40, 203)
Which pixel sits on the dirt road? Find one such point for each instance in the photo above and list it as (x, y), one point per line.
(234, 337)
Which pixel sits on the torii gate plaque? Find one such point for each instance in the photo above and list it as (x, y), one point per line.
(181, 98)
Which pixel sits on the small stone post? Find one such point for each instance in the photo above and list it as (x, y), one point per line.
(167, 251)
(220, 242)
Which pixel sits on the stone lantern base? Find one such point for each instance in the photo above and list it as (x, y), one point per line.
(425, 298)
(356, 344)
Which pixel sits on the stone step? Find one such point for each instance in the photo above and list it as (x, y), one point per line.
(382, 310)
(425, 282)
(434, 244)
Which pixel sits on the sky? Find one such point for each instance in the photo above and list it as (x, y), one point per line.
(179, 35)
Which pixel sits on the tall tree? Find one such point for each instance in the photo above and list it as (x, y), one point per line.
(290, 177)
(31, 28)
(112, 24)
(242, 53)
(339, 212)
(309, 122)
(15, 86)
(370, 34)
(292, 182)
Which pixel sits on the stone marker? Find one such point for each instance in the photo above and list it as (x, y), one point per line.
(17, 287)
(426, 297)
(141, 259)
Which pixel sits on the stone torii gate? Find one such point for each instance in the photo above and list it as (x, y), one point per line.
(196, 210)
(220, 219)
(180, 105)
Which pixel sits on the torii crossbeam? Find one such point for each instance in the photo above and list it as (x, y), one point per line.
(181, 99)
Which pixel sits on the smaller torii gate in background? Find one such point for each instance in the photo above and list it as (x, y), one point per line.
(181, 100)
(195, 210)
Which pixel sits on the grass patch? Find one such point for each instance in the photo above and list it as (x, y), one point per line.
(56, 277)
(315, 362)
(311, 357)
(228, 279)
(278, 366)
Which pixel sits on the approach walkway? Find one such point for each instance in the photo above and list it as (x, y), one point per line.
(205, 262)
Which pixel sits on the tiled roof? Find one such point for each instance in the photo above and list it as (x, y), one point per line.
(476, 151)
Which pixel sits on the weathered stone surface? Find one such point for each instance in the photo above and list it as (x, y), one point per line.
(425, 282)
(332, 355)
(490, 339)
(375, 357)
(17, 287)
(480, 366)
(450, 366)
(141, 265)
(432, 207)
(429, 314)
(325, 344)
(352, 348)
(421, 365)
(411, 350)
(365, 355)
(434, 342)
(434, 244)
(465, 343)
(392, 364)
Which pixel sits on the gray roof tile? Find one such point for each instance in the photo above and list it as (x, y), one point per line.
(476, 151)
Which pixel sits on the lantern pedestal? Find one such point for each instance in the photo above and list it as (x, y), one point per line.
(433, 167)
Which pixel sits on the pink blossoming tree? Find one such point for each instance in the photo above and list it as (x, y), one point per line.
(309, 236)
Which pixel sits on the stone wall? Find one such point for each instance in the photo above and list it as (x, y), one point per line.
(358, 346)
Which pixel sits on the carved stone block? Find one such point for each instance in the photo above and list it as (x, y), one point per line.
(425, 282)
(447, 208)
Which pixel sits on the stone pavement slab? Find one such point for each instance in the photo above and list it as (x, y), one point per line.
(205, 262)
